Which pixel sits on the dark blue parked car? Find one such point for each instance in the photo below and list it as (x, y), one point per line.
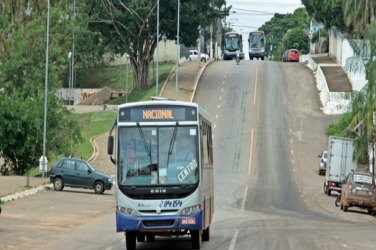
(78, 173)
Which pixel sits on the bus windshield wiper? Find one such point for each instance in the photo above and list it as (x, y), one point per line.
(147, 149)
(172, 142)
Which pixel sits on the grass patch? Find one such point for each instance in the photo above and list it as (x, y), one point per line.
(116, 77)
(92, 125)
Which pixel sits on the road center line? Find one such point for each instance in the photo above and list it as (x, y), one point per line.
(244, 198)
(250, 154)
(233, 240)
(254, 93)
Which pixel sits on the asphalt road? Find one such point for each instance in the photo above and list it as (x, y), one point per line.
(268, 130)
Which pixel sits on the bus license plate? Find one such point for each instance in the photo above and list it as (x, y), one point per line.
(188, 220)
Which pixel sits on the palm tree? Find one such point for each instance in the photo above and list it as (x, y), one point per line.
(358, 15)
(364, 104)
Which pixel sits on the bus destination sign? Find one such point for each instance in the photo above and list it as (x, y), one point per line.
(157, 113)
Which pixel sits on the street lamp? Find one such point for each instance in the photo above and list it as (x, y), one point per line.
(157, 75)
(44, 158)
(177, 54)
(70, 78)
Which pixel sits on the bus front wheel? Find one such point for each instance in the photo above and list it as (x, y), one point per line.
(196, 239)
(206, 234)
(130, 240)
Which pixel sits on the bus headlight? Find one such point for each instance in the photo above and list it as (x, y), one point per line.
(127, 211)
(191, 209)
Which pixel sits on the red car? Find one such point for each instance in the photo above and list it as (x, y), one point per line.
(291, 55)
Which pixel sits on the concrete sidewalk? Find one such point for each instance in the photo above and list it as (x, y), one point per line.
(189, 72)
(332, 82)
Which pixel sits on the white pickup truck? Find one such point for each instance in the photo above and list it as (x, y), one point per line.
(193, 55)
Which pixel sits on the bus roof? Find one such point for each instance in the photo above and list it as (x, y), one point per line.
(257, 33)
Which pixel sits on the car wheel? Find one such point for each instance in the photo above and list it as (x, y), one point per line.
(130, 240)
(206, 234)
(58, 184)
(203, 60)
(98, 187)
(150, 237)
(329, 191)
(196, 239)
(369, 210)
(325, 189)
(141, 237)
(345, 208)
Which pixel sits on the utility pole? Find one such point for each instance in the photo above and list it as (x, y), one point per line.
(177, 55)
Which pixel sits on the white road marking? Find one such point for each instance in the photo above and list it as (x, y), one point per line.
(215, 125)
(233, 240)
(221, 89)
(292, 152)
(216, 116)
(220, 97)
(254, 93)
(244, 198)
(250, 154)
(218, 106)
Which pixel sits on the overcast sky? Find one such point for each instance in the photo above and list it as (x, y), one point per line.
(252, 14)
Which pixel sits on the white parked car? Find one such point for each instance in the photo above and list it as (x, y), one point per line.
(193, 55)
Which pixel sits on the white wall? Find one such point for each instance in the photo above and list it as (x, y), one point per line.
(341, 50)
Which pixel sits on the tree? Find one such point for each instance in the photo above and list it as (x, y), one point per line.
(363, 103)
(130, 27)
(278, 26)
(329, 12)
(297, 39)
(21, 130)
(358, 15)
(22, 76)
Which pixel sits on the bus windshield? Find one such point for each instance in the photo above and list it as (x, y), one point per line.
(232, 43)
(163, 155)
(256, 41)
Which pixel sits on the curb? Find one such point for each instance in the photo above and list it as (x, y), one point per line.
(198, 77)
(26, 193)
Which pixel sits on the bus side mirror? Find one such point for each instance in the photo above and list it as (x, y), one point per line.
(110, 145)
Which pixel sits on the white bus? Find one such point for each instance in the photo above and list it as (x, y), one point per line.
(163, 154)
(256, 45)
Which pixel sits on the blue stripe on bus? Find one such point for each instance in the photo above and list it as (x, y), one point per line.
(139, 223)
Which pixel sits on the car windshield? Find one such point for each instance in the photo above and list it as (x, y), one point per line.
(158, 155)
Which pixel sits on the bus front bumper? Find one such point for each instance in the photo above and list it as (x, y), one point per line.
(193, 221)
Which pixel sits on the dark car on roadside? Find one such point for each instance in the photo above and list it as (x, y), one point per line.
(78, 173)
(359, 191)
(291, 55)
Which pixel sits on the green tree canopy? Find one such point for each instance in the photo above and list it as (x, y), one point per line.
(21, 130)
(131, 27)
(278, 26)
(22, 77)
(329, 12)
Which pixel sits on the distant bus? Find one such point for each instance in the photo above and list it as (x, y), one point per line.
(256, 45)
(233, 41)
(163, 154)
